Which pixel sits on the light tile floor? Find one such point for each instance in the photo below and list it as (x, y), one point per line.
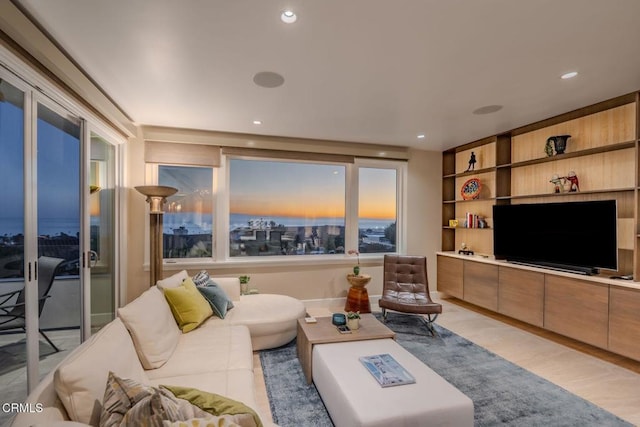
(609, 381)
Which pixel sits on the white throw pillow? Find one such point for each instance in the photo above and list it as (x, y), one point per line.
(152, 326)
(81, 377)
(173, 281)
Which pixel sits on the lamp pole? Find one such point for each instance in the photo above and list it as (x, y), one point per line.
(156, 197)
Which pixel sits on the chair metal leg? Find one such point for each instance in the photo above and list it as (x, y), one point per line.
(428, 320)
(384, 315)
(49, 341)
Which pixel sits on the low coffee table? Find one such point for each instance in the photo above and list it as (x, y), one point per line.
(324, 332)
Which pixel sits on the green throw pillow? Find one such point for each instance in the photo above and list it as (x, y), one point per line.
(188, 306)
(217, 298)
(212, 403)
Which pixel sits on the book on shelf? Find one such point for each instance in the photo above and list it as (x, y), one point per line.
(386, 370)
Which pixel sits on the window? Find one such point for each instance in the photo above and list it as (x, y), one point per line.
(188, 217)
(280, 208)
(286, 208)
(377, 209)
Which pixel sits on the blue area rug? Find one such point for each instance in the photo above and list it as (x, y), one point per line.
(502, 393)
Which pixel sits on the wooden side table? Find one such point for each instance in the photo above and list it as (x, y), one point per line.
(358, 297)
(324, 332)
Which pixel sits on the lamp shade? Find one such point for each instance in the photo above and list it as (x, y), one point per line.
(156, 195)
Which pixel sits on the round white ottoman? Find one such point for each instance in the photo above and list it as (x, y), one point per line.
(271, 319)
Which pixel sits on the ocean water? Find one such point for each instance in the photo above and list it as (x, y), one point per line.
(194, 224)
(46, 226)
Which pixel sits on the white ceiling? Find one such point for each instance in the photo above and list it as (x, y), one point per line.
(377, 71)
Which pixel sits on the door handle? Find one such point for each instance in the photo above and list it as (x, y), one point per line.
(93, 258)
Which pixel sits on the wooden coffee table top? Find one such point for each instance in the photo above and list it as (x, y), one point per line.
(324, 331)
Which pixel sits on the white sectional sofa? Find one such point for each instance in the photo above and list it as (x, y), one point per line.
(145, 344)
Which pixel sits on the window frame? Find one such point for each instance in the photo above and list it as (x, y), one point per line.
(221, 210)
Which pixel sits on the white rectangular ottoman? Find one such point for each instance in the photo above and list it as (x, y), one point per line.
(354, 398)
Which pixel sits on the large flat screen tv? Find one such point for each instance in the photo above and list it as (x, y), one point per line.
(576, 236)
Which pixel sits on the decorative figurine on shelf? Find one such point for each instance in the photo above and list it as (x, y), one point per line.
(472, 162)
(465, 250)
(557, 182)
(574, 185)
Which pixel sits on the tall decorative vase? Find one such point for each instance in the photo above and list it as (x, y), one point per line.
(559, 142)
(356, 270)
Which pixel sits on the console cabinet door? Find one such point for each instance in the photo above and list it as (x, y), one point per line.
(450, 276)
(577, 309)
(521, 295)
(624, 321)
(481, 284)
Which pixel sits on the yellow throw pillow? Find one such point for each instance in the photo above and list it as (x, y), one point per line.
(189, 308)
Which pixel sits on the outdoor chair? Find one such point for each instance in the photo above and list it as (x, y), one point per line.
(12, 312)
(406, 289)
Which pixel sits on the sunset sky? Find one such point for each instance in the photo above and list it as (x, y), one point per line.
(306, 190)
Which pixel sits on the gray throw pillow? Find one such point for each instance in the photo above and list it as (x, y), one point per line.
(217, 298)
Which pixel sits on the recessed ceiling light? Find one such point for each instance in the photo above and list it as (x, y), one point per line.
(382, 153)
(421, 136)
(257, 122)
(288, 17)
(569, 75)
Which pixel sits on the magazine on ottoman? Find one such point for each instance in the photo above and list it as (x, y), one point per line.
(386, 370)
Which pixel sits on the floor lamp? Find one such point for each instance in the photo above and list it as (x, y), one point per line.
(156, 196)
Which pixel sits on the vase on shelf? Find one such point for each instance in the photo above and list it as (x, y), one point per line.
(356, 270)
(559, 142)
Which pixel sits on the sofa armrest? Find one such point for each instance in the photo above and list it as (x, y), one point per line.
(231, 286)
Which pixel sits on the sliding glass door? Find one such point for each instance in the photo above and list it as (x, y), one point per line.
(101, 244)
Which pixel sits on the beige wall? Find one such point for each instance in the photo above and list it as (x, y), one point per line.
(305, 282)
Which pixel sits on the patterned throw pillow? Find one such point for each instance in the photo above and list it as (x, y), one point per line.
(130, 403)
(201, 278)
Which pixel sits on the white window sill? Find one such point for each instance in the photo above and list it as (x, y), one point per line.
(368, 260)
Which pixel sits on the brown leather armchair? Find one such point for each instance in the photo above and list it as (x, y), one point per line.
(406, 288)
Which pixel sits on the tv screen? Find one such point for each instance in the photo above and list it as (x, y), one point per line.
(576, 234)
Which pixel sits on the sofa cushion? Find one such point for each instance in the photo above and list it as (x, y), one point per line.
(80, 378)
(208, 349)
(172, 281)
(152, 327)
(188, 306)
(217, 298)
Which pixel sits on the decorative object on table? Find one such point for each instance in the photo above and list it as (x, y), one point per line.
(574, 184)
(156, 197)
(244, 284)
(471, 189)
(338, 319)
(557, 183)
(464, 249)
(559, 143)
(472, 162)
(453, 223)
(353, 320)
(356, 268)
